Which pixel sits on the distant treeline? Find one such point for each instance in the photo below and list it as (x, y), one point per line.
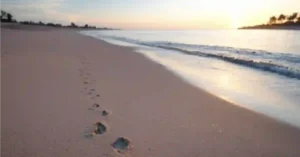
(280, 22)
(72, 25)
(8, 17)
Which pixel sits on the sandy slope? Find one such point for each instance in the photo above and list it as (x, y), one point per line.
(48, 79)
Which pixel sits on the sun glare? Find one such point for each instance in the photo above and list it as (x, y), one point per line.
(236, 11)
(236, 17)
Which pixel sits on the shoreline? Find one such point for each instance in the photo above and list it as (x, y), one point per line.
(260, 104)
(159, 112)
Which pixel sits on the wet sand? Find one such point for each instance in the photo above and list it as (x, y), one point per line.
(65, 94)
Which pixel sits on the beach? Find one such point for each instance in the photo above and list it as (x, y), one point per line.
(56, 84)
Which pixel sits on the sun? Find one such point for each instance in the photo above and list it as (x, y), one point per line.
(235, 21)
(237, 14)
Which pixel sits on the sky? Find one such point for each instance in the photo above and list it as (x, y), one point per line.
(152, 14)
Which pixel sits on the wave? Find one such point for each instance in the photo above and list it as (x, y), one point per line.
(281, 63)
(266, 66)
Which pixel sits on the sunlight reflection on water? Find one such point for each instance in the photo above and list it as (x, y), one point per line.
(240, 85)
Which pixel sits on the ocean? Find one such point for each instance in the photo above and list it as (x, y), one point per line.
(255, 69)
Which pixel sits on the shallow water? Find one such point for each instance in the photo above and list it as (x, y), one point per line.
(255, 69)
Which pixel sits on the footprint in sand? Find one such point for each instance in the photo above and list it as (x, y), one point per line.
(122, 144)
(98, 129)
(90, 92)
(96, 105)
(105, 113)
(93, 96)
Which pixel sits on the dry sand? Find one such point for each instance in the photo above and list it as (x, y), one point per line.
(50, 82)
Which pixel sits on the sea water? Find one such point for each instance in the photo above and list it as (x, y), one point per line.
(255, 69)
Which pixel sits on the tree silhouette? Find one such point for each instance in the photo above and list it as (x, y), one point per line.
(6, 17)
(3, 14)
(292, 17)
(281, 18)
(9, 17)
(272, 20)
(58, 25)
(73, 24)
(282, 21)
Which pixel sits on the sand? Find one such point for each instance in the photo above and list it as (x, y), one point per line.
(56, 84)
